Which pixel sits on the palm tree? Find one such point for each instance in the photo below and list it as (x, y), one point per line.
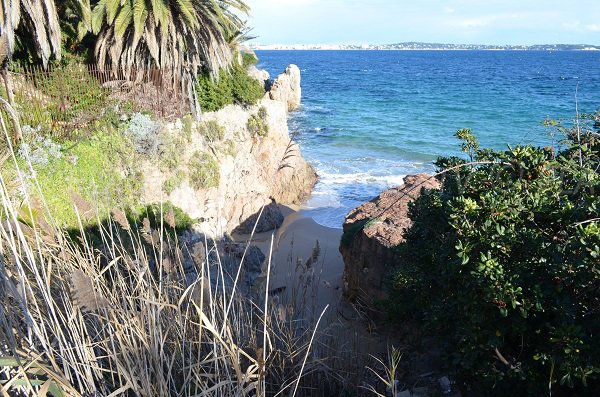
(182, 36)
(41, 23)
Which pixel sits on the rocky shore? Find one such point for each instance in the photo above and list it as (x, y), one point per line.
(371, 231)
(255, 170)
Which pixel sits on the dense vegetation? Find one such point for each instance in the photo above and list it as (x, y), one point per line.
(502, 265)
(232, 87)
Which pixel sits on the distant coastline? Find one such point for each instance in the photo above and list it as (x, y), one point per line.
(429, 46)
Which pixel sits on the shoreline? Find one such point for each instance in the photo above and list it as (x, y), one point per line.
(308, 290)
(295, 246)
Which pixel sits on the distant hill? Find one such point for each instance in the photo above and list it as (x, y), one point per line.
(411, 45)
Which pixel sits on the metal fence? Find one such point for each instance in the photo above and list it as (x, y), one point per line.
(72, 97)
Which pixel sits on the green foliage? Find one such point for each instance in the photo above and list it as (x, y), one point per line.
(246, 90)
(67, 97)
(203, 171)
(502, 266)
(230, 147)
(101, 169)
(212, 131)
(188, 127)
(214, 94)
(258, 124)
(469, 144)
(174, 182)
(157, 213)
(249, 59)
(231, 87)
(172, 148)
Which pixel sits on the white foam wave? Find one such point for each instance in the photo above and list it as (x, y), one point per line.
(361, 178)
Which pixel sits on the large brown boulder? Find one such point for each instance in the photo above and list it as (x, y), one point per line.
(371, 231)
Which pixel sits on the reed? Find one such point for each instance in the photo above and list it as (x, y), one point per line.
(124, 312)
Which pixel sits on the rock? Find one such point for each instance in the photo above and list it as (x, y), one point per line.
(371, 231)
(260, 75)
(270, 219)
(286, 88)
(253, 262)
(252, 169)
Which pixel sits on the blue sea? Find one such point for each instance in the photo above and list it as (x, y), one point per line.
(369, 118)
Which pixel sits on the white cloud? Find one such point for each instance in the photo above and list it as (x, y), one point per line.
(593, 28)
(470, 23)
(449, 10)
(572, 25)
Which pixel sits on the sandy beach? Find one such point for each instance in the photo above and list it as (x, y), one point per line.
(310, 279)
(305, 261)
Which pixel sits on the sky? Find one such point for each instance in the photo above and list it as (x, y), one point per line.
(454, 21)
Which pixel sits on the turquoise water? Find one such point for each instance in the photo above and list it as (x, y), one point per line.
(370, 117)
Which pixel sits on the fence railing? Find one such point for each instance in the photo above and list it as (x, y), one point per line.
(72, 97)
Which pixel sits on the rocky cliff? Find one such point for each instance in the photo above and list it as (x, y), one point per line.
(234, 162)
(371, 231)
(286, 88)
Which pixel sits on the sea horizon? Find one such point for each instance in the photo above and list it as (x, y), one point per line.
(369, 118)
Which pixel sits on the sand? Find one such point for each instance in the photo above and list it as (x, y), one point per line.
(317, 286)
(347, 332)
(293, 245)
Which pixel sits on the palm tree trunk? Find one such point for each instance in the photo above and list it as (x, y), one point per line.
(15, 119)
(8, 85)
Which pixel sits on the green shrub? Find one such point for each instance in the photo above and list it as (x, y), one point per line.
(212, 131)
(102, 170)
(172, 147)
(157, 213)
(174, 182)
(203, 171)
(234, 86)
(245, 89)
(258, 124)
(249, 59)
(502, 266)
(67, 96)
(188, 127)
(230, 147)
(214, 94)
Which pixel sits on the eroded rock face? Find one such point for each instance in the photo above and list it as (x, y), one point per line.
(286, 88)
(260, 75)
(253, 170)
(371, 231)
(271, 218)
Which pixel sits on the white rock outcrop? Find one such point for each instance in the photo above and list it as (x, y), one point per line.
(286, 88)
(256, 171)
(259, 74)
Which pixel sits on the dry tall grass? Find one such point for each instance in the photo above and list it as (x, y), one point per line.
(126, 315)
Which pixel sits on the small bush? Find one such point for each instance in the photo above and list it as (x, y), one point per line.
(212, 131)
(232, 87)
(249, 59)
(230, 147)
(172, 148)
(502, 267)
(157, 214)
(188, 127)
(245, 89)
(174, 182)
(145, 134)
(102, 170)
(204, 171)
(214, 94)
(257, 123)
